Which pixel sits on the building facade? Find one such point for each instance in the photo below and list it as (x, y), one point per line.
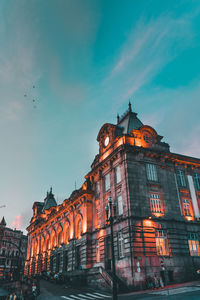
(13, 247)
(156, 197)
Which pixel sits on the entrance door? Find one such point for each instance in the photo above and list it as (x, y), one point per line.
(108, 253)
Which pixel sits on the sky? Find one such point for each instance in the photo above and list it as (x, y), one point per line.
(82, 61)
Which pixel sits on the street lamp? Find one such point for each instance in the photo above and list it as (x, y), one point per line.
(109, 219)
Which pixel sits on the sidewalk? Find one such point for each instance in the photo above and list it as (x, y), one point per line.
(170, 287)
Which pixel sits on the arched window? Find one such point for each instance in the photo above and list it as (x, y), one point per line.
(53, 241)
(67, 235)
(78, 229)
(59, 238)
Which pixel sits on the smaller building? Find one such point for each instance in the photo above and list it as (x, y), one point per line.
(13, 247)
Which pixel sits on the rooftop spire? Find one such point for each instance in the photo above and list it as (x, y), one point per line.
(3, 222)
(117, 118)
(129, 107)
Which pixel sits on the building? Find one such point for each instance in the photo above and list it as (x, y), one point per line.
(13, 247)
(157, 213)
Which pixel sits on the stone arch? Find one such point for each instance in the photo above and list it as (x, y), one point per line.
(53, 239)
(66, 228)
(78, 226)
(59, 235)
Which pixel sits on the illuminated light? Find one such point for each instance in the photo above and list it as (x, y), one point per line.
(84, 227)
(138, 142)
(101, 233)
(148, 223)
(119, 142)
(158, 215)
(71, 233)
(189, 218)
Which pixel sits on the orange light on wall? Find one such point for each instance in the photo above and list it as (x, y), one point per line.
(84, 227)
(158, 215)
(189, 218)
(148, 223)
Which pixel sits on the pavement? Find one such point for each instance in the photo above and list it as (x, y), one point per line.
(183, 291)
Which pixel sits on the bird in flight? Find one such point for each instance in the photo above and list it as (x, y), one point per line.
(25, 95)
(33, 86)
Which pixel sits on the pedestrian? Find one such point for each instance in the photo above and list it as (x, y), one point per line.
(156, 281)
(14, 296)
(34, 290)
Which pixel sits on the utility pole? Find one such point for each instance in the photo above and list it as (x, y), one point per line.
(110, 218)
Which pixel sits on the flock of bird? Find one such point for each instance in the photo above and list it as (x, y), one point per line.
(33, 100)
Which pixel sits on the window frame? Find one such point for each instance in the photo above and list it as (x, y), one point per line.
(193, 241)
(180, 175)
(196, 179)
(120, 208)
(151, 172)
(120, 245)
(118, 177)
(107, 185)
(161, 239)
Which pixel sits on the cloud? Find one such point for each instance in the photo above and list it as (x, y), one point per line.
(151, 45)
(17, 222)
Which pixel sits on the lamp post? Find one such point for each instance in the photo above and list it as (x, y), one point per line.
(109, 219)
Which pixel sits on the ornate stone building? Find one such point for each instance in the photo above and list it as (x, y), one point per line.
(157, 208)
(13, 246)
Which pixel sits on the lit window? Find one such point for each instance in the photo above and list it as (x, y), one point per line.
(107, 182)
(162, 247)
(118, 174)
(181, 178)
(120, 245)
(78, 229)
(59, 238)
(67, 235)
(120, 205)
(97, 189)
(193, 242)
(97, 251)
(151, 172)
(197, 181)
(156, 204)
(186, 207)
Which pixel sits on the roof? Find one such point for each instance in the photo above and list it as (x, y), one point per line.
(129, 121)
(3, 222)
(49, 201)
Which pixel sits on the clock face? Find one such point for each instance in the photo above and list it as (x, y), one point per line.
(147, 137)
(106, 141)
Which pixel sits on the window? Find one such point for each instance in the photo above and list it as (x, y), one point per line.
(118, 174)
(155, 204)
(180, 178)
(67, 235)
(107, 182)
(151, 172)
(97, 189)
(162, 247)
(78, 229)
(120, 245)
(193, 242)
(120, 205)
(97, 251)
(59, 238)
(197, 181)
(186, 207)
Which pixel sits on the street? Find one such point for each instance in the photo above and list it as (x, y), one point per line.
(52, 291)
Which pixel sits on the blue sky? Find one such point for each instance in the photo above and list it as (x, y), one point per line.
(86, 59)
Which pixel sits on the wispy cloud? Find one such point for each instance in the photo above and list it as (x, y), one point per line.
(150, 46)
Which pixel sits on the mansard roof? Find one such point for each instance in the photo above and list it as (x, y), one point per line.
(129, 121)
(3, 222)
(49, 201)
